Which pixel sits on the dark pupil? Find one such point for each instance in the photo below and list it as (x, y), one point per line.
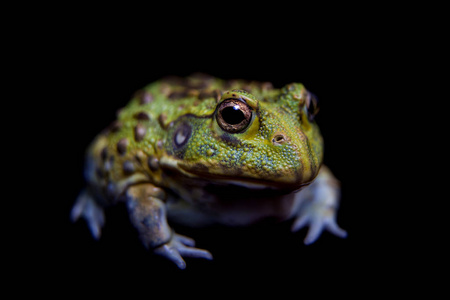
(232, 115)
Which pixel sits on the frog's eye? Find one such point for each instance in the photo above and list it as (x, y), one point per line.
(312, 106)
(233, 115)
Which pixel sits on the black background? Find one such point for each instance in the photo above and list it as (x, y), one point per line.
(95, 70)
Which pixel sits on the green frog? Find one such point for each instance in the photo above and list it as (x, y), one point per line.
(199, 151)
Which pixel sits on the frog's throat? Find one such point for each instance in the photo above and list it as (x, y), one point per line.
(172, 164)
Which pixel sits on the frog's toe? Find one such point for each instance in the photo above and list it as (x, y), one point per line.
(184, 240)
(181, 246)
(187, 251)
(172, 254)
(317, 223)
(88, 208)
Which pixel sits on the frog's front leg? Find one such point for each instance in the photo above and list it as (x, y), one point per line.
(317, 207)
(148, 215)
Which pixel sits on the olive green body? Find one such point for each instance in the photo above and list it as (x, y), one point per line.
(280, 148)
(200, 150)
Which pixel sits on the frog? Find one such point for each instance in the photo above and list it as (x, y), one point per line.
(199, 151)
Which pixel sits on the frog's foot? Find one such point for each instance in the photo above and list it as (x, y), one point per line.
(318, 206)
(86, 207)
(318, 219)
(181, 246)
(148, 215)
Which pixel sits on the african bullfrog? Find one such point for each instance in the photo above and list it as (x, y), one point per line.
(199, 151)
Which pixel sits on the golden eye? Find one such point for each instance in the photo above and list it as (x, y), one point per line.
(233, 115)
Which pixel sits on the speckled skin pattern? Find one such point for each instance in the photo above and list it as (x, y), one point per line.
(200, 150)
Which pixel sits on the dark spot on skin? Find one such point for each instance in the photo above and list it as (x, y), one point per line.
(153, 163)
(142, 116)
(144, 97)
(231, 171)
(128, 167)
(178, 95)
(139, 132)
(162, 119)
(200, 168)
(138, 159)
(122, 146)
(116, 126)
(113, 127)
(229, 139)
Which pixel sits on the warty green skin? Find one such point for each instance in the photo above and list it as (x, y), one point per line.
(170, 156)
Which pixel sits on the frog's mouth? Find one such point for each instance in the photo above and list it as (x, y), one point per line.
(233, 177)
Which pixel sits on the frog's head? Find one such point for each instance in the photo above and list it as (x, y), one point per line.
(268, 140)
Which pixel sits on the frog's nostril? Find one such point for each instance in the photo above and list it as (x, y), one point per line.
(279, 139)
